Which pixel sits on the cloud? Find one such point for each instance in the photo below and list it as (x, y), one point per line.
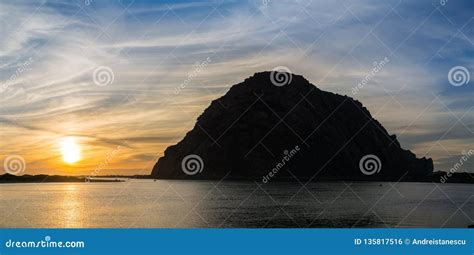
(152, 48)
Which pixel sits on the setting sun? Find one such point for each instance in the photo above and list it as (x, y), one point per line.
(70, 150)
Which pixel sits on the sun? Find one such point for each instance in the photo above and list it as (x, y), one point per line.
(70, 150)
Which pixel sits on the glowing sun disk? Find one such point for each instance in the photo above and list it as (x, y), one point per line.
(70, 150)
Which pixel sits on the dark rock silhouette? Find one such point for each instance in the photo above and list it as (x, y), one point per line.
(295, 130)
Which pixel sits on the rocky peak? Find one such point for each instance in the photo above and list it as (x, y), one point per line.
(258, 124)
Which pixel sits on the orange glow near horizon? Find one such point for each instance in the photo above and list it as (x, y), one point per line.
(70, 150)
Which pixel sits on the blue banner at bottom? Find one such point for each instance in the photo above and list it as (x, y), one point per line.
(237, 241)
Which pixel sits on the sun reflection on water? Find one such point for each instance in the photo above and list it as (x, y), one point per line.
(72, 213)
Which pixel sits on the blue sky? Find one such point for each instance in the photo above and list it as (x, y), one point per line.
(49, 51)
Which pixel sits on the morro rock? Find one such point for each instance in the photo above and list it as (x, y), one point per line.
(262, 129)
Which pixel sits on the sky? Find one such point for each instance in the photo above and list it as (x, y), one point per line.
(120, 81)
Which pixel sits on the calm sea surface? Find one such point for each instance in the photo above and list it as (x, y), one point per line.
(149, 204)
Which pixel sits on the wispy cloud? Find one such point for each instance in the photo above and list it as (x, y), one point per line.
(153, 47)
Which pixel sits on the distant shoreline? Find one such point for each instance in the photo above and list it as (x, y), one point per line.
(7, 178)
(436, 177)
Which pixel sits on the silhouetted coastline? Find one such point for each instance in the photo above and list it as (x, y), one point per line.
(9, 178)
(436, 177)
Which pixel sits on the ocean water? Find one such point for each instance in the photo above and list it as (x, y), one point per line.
(203, 204)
